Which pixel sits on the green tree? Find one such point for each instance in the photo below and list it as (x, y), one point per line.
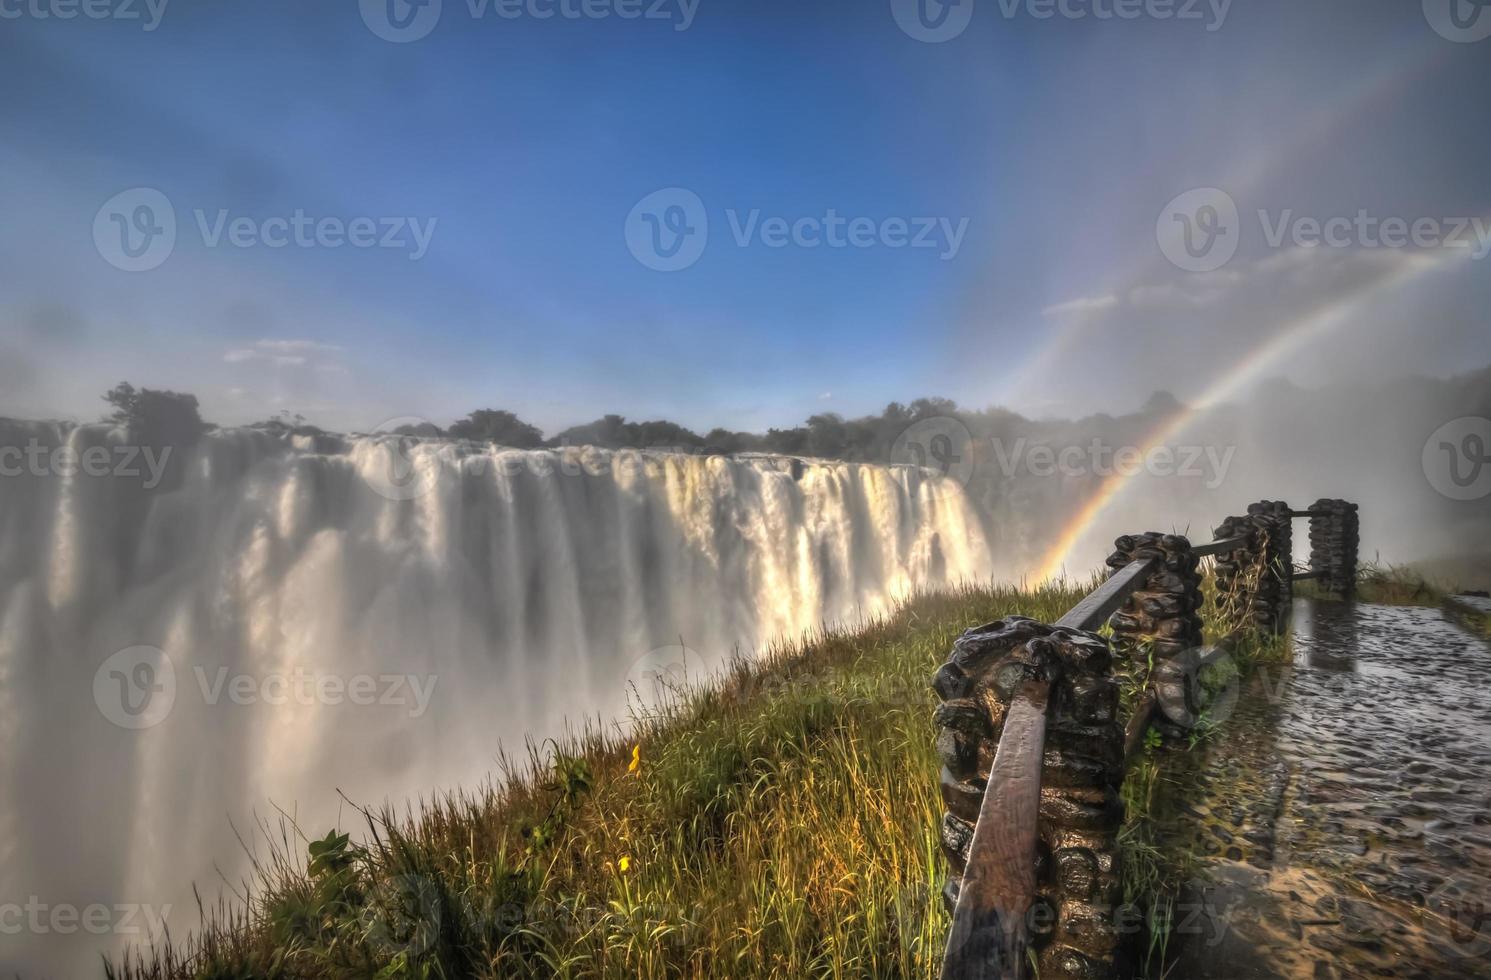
(787, 441)
(828, 437)
(925, 408)
(164, 418)
(501, 427)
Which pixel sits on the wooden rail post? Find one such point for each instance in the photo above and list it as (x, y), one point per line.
(1032, 850)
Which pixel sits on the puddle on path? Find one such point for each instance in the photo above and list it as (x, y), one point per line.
(1344, 813)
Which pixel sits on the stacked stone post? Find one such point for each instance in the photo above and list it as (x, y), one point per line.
(1165, 611)
(1073, 925)
(1255, 579)
(1334, 537)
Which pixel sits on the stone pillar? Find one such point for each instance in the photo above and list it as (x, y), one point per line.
(1334, 537)
(1166, 609)
(1255, 580)
(1080, 810)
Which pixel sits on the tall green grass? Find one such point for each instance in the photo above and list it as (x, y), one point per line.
(781, 824)
(1392, 585)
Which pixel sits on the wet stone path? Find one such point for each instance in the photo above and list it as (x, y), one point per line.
(1342, 817)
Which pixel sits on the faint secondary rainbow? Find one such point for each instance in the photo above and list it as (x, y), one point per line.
(1245, 371)
(1323, 123)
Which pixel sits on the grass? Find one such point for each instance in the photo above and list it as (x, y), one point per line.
(1153, 870)
(1419, 585)
(1398, 585)
(782, 824)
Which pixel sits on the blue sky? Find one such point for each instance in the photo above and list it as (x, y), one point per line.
(522, 145)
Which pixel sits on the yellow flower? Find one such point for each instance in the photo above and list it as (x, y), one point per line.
(624, 863)
(636, 759)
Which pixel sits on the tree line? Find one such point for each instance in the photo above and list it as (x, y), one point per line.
(174, 417)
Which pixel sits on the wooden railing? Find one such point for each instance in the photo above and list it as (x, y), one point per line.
(990, 935)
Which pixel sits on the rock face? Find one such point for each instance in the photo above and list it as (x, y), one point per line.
(1254, 580)
(1080, 809)
(1334, 536)
(1167, 609)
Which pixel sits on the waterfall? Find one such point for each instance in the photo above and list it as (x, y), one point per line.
(263, 619)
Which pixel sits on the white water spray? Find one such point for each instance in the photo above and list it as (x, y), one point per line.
(373, 615)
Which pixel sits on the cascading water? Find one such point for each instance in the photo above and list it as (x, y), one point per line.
(264, 619)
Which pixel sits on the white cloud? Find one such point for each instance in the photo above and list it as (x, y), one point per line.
(296, 346)
(1082, 304)
(288, 353)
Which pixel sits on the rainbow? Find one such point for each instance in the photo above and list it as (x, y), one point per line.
(1297, 333)
(1357, 100)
